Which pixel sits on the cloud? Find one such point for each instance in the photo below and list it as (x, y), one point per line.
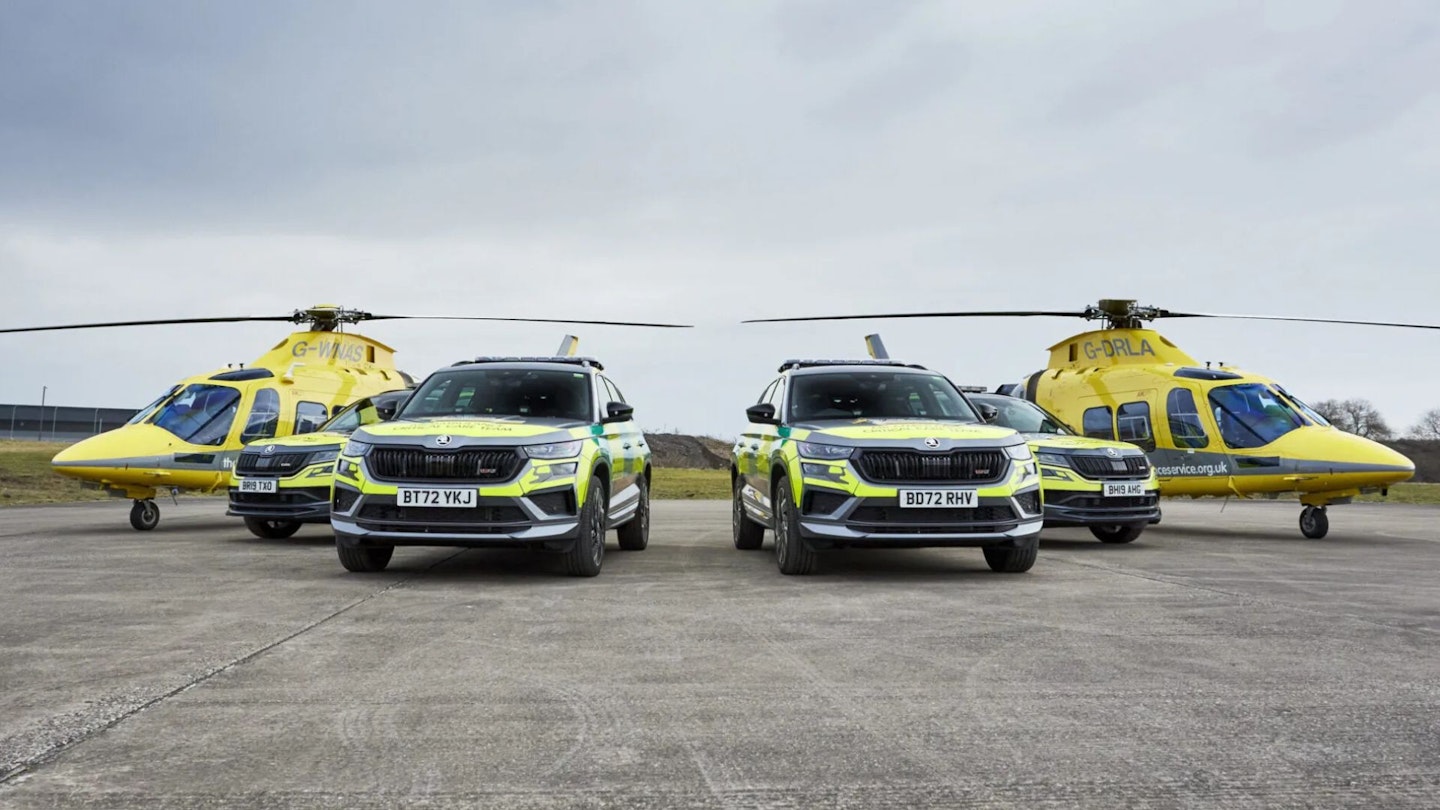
(704, 164)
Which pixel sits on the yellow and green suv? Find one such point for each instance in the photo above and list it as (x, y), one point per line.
(1106, 485)
(278, 484)
(853, 453)
(540, 452)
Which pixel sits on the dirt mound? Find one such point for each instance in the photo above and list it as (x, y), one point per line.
(691, 452)
(1426, 455)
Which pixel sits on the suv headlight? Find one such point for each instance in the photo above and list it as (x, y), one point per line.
(824, 452)
(355, 447)
(322, 456)
(1054, 459)
(1019, 452)
(554, 449)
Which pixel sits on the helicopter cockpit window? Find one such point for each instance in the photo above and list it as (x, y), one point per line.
(1097, 424)
(503, 392)
(264, 416)
(1186, 429)
(200, 414)
(1020, 415)
(876, 395)
(1251, 415)
(309, 416)
(1133, 423)
(1303, 408)
(146, 411)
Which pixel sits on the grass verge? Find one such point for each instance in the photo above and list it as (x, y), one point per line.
(26, 478)
(670, 483)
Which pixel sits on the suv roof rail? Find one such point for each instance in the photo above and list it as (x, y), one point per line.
(789, 364)
(588, 362)
(973, 389)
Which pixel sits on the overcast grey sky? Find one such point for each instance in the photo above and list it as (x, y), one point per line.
(706, 163)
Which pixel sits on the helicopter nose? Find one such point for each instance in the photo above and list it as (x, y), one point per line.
(1362, 462)
(109, 455)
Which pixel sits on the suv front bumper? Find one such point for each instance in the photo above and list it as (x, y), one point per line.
(839, 520)
(305, 504)
(546, 518)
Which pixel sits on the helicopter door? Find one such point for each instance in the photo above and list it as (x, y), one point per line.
(1188, 445)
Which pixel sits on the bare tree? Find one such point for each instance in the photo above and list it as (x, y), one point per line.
(1356, 416)
(1428, 427)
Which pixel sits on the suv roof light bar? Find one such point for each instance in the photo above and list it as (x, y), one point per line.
(588, 362)
(789, 364)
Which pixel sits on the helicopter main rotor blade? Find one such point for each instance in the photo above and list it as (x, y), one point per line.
(1023, 313)
(1171, 314)
(160, 322)
(524, 320)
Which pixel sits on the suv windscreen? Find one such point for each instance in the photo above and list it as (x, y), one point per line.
(523, 392)
(876, 395)
(1022, 415)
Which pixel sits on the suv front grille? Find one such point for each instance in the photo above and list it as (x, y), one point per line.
(414, 464)
(905, 466)
(273, 464)
(1106, 467)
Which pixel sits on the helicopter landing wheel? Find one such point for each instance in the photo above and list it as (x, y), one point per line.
(144, 515)
(1313, 522)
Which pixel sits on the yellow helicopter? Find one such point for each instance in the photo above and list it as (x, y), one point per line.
(1209, 430)
(189, 437)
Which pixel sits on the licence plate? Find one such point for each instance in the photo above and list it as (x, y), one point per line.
(1124, 489)
(937, 498)
(266, 485)
(459, 498)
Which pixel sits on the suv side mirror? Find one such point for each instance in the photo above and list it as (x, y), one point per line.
(764, 414)
(988, 412)
(386, 411)
(618, 412)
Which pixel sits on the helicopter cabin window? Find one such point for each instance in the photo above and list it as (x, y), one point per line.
(200, 414)
(148, 409)
(264, 416)
(1133, 423)
(1097, 424)
(1186, 429)
(309, 416)
(1252, 415)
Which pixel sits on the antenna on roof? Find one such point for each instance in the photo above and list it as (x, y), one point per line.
(876, 347)
(568, 346)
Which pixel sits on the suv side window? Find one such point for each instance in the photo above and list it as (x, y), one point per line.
(1133, 420)
(1098, 423)
(612, 390)
(766, 394)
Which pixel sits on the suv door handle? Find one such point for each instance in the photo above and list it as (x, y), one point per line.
(626, 445)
